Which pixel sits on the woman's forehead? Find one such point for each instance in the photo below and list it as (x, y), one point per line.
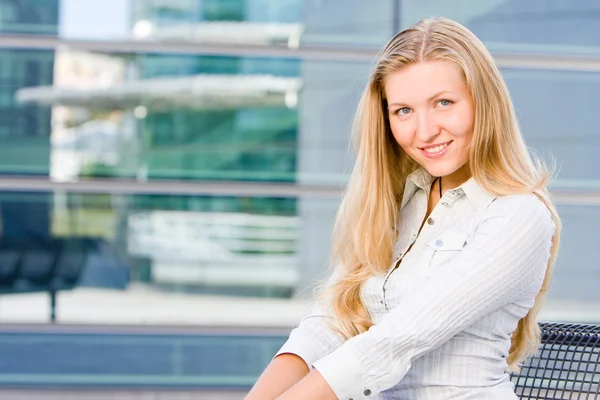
(424, 81)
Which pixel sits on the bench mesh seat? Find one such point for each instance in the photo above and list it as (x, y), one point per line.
(566, 366)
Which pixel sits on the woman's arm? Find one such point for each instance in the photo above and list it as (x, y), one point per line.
(505, 260)
(311, 387)
(282, 373)
(310, 341)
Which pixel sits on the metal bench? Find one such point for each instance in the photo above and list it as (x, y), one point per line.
(566, 366)
(47, 265)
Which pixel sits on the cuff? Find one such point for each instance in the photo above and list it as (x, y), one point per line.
(303, 346)
(343, 372)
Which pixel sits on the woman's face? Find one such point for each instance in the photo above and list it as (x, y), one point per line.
(431, 115)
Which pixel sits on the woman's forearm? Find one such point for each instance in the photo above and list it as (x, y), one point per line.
(282, 373)
(311, 387)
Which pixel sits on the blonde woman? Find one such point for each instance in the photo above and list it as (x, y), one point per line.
(444, 242)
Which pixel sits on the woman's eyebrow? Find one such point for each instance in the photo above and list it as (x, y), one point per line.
(429, 99)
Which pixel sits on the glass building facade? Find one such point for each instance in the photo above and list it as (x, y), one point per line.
(25, 130)
(197, 153)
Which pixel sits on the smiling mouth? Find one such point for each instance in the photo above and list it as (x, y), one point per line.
(436, 148)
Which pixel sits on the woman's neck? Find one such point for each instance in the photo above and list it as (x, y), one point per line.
(455, 179)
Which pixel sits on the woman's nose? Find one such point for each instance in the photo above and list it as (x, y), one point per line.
(427, 128)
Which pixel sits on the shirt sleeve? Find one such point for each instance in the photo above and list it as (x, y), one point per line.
(313, 338)
(506, 258)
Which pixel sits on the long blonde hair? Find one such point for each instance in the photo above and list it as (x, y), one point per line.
(363, 238)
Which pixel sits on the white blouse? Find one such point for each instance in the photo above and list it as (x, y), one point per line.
(443, 318)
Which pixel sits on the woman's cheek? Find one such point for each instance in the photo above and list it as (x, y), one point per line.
(402, 134)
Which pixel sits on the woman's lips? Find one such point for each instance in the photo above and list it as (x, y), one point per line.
(437, 151)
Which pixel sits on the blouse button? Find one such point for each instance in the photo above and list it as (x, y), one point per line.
(439, 243)
(430, 221)
(367, 392)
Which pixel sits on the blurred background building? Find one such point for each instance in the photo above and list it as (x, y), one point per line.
(176, 165)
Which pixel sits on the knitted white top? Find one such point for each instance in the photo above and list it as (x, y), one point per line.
(443, 318)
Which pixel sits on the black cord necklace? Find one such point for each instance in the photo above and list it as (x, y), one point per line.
(440, 183)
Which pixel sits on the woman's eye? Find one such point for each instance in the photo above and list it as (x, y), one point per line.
(444, 103)
(403, 111)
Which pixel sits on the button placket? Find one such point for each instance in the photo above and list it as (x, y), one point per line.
(438, 213)
(401, 254)
(413, 238)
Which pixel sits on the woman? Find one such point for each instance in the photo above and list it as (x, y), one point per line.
(444, 242)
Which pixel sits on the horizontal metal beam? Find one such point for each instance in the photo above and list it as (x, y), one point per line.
(146, 329)
(576, 198)
(186, 47)
(165, 187)
(548, 62)
(504, 59)
(229, 188)
(94, 393)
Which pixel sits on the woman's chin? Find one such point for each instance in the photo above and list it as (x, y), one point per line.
(440, 169)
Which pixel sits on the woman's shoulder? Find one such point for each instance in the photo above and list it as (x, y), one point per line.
(517, 206)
